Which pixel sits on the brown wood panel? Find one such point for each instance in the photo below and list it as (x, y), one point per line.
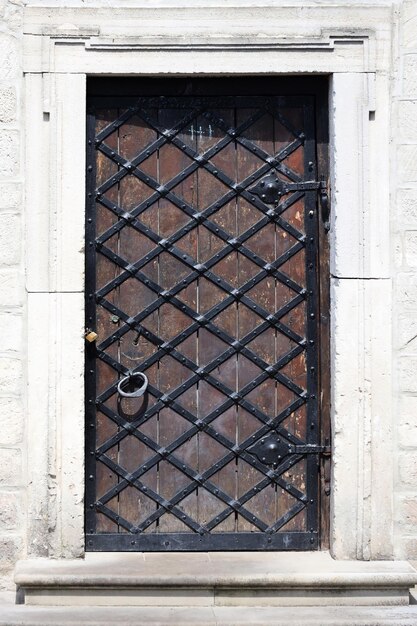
(295, 268)
(134, 136)
(171, 161)
(262, 243)
(105, 272)
(209, 346)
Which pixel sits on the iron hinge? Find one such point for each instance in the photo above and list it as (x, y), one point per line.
(325, 465)
(324, 204)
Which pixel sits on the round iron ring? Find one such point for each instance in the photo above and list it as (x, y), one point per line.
(134, 394)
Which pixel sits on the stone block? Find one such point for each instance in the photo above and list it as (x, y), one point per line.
(407, 207)
(10, 467)
(409, 23)
(11, 421)
(410, 247)
(11, 287)
(397, 250)
(10, 551)
(10, 58)
(407, 120)
(407, 421)
(407, 511)
(406, 333)
(409, 85)
(408, 373)
(11, 376)
(406, 337)
(9, 153)
(410, 547)
(8, 104)
(10, 239)
(406, 291)
(407, 163)
(14, 15)
(10, 510)
(407, 465)
(10, 195)
(10, 331)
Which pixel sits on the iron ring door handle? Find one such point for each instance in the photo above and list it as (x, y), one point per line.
(138, 392)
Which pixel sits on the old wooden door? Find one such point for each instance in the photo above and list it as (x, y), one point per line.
(203, 231)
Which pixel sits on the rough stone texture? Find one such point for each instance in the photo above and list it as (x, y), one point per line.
(8, 104)
(10, 331)
(10, 467)
(406, 333)
(10, 551)
(407, 113)
(407, 164)
(10, 510)
(12, 297)
(410, 245)
(10, 195)
(406, 292)
(10, 240)
(409, 84)
(11, 372)
(11, 285)
(407, 207)
(407, 374)
(9, 153)
(11, 421)
(404, 219)
(407, 423)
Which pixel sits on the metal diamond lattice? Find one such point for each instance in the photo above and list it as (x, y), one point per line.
(271, 167)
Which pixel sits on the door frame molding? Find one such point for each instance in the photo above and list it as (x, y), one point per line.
(57, 61)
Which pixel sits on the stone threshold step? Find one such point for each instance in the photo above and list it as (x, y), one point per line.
(206, 616)
(214, 579)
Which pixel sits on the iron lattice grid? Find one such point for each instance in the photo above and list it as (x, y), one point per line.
(201, 536)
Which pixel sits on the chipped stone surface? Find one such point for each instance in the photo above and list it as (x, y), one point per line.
(10, 239)
(407, 422)
(8, 104)
(11, 510)
(10, 551)
(409, 84)
(407, 163)
(10, 467)
(11, 329)
(12, 296)
(11, 373)
(11, 421)
(406, 210)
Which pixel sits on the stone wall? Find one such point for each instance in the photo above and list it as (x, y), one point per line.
(12, 297)
(404, 224)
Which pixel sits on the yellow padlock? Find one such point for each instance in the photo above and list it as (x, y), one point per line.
(90, 335)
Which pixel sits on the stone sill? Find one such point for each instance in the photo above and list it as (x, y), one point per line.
(207, 569)
(214, 579)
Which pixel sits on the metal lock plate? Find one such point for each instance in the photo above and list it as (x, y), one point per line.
(271, 450)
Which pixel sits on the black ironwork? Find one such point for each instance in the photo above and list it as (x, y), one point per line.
(272, 450)
(271, 188)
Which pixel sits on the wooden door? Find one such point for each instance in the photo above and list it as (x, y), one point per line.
(203, 273)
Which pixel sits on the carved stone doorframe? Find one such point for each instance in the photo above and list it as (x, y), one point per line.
(63, 47)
